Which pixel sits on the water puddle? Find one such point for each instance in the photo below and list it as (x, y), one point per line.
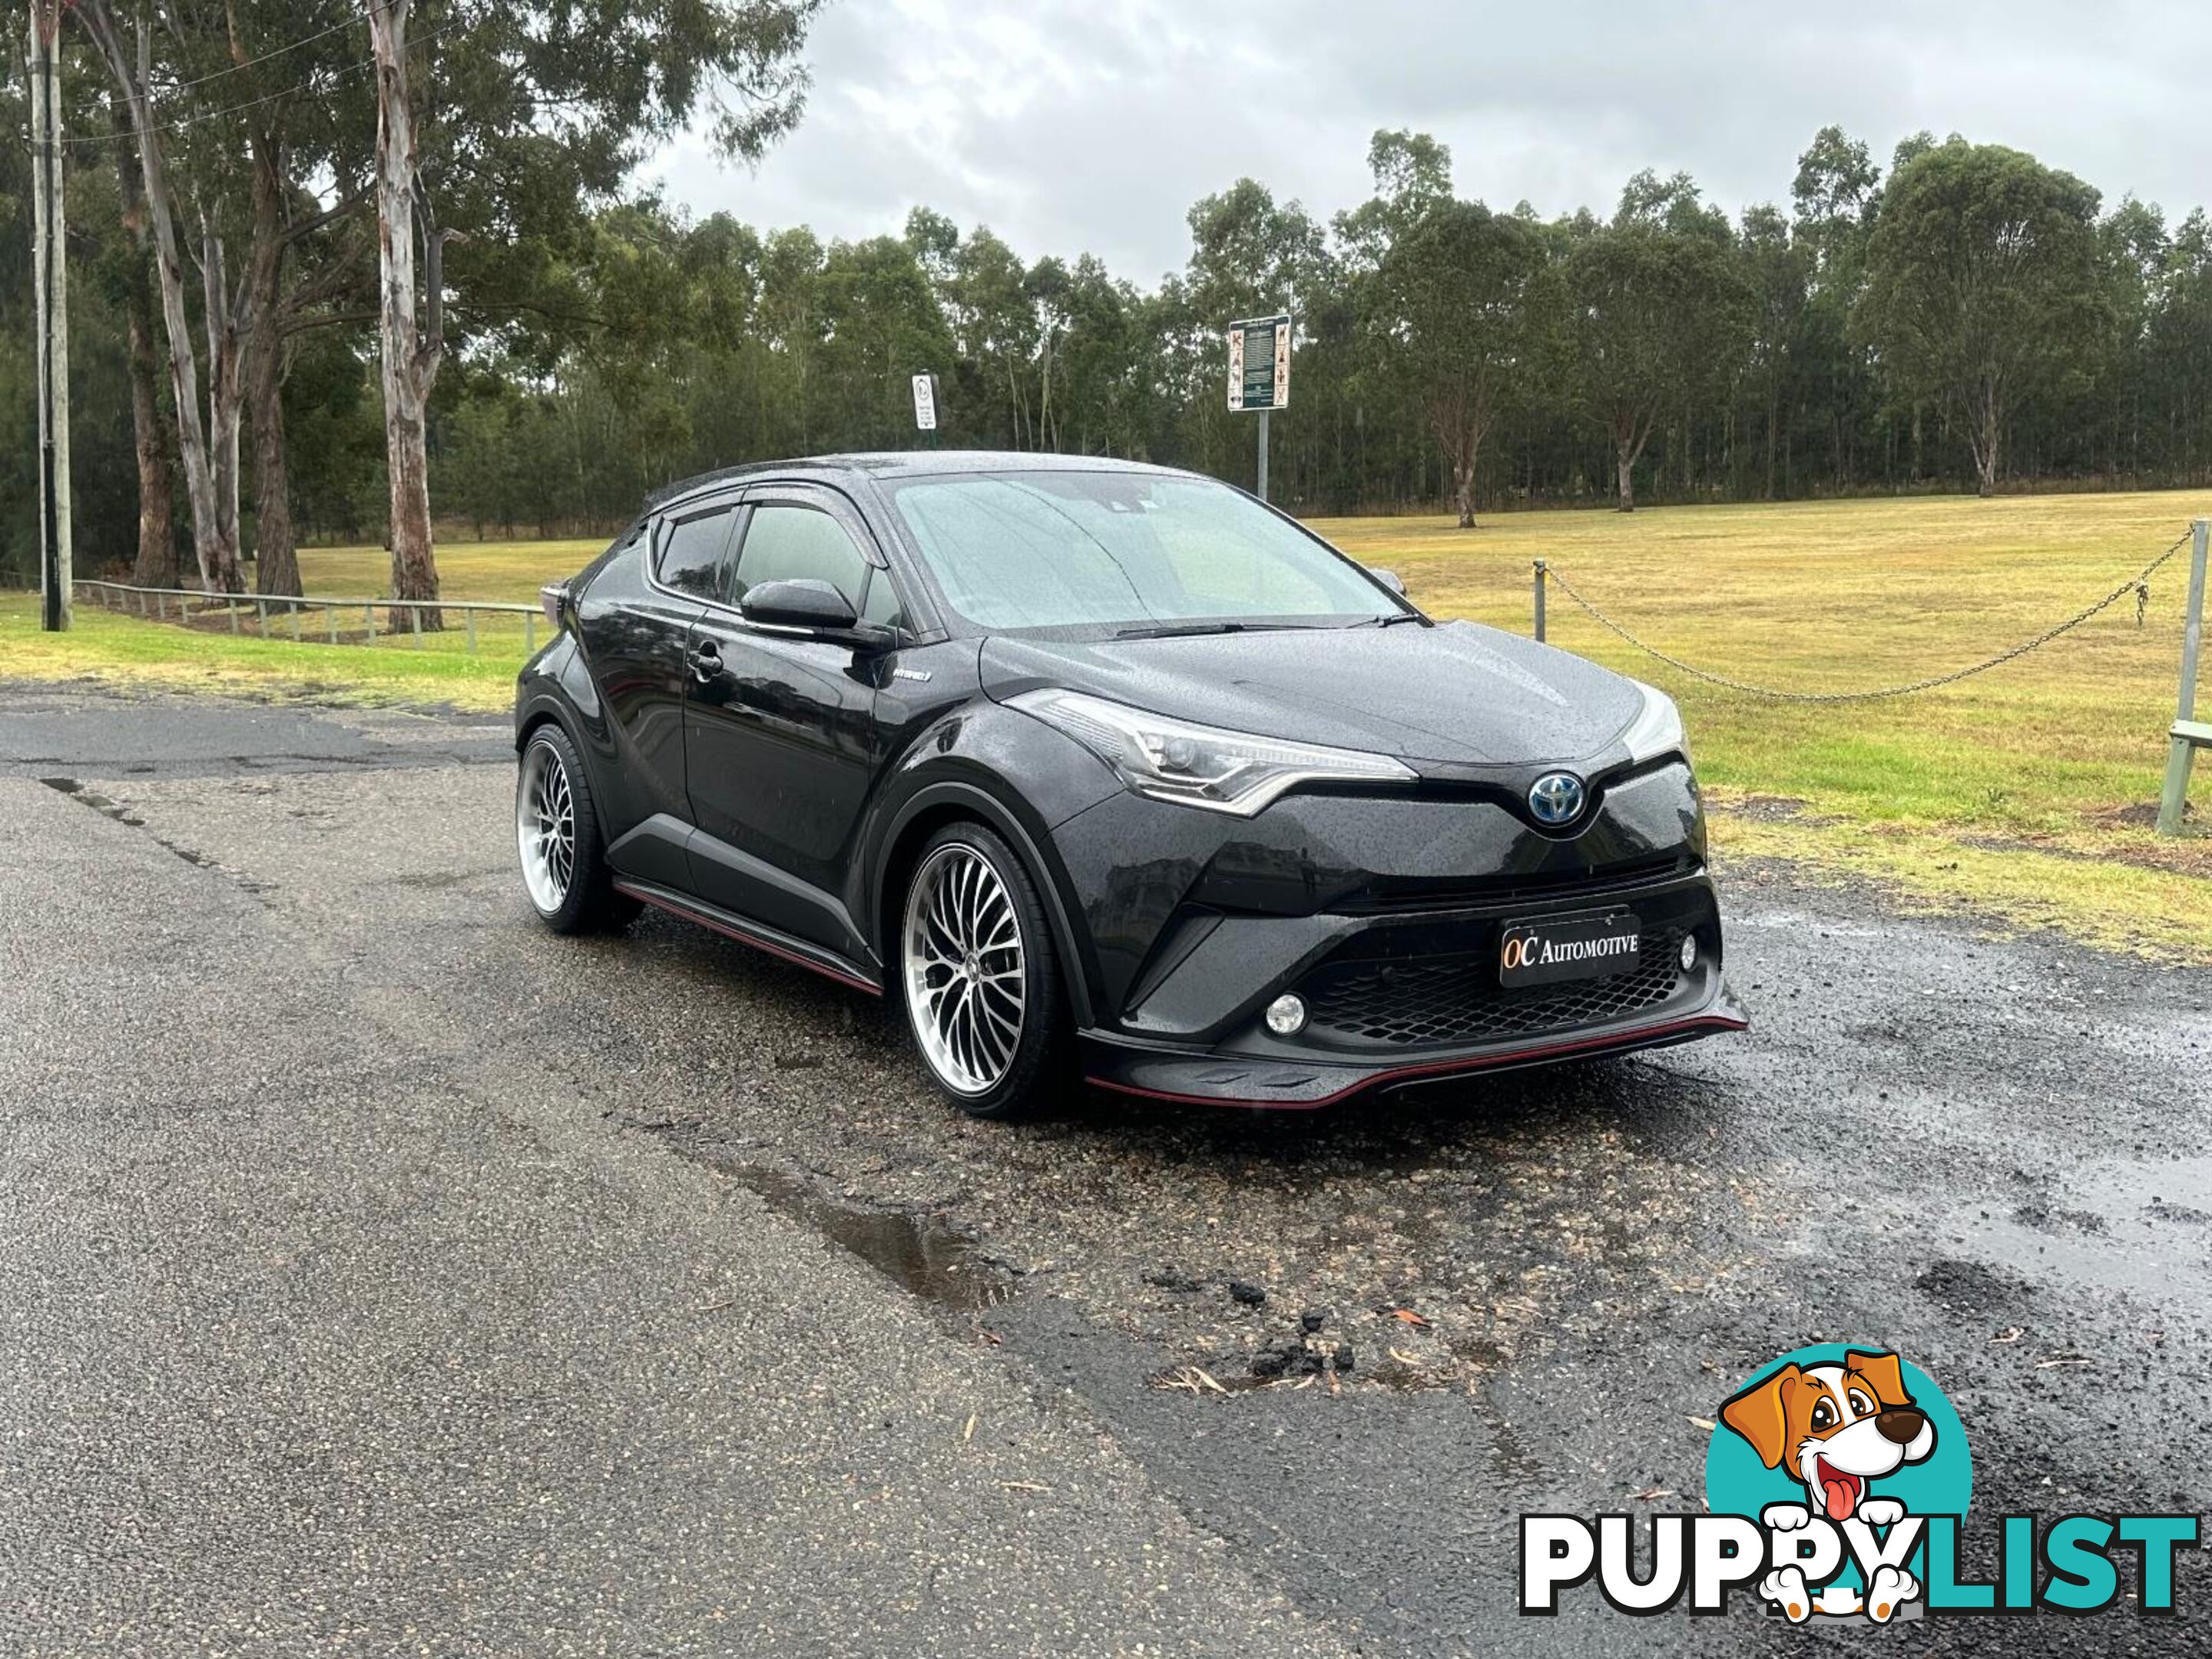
(2119, 1226)
(921, 1254)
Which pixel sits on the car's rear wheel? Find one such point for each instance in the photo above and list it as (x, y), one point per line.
(557, 836)
(980, 975)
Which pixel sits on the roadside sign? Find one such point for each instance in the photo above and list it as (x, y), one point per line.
(1258, 364)
(924, 401)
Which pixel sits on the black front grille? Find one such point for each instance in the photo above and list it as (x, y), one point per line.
(1457, 1000)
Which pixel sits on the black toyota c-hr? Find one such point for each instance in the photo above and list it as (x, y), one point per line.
(1101, 767)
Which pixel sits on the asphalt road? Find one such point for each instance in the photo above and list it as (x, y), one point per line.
(379, 1272)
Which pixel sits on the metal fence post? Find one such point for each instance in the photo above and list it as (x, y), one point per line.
(415, 616)
(471, 614)
(231, 605)
(368, 616)
(261, 610)
(2180, 751)
(1540, 600)
(294, 610)
(331, 620)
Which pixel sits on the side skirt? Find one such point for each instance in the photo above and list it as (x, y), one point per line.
(760, 937)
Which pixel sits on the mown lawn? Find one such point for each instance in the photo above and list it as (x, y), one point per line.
(2030, 787)
(2027, 790)
(122, 651)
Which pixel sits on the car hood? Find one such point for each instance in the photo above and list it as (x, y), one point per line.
(1453, 695)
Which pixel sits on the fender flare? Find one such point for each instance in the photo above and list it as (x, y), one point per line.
(980, 803)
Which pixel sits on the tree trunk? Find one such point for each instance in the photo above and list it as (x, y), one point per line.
(1987, 420)
(275, 544)
(1773, 421)
(151, 439)
(277, 556)
(217, 557)
(1625, 474)
(225, 403)
(156, 564)
(411, 350)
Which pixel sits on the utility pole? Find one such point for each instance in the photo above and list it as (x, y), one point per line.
(52, 277)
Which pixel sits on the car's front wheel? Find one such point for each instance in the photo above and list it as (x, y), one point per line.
(557, 836)
(980, 976)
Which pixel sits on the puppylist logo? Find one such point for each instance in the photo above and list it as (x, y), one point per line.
(1838, 1480)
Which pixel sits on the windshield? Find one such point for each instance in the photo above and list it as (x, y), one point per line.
(1129, 551)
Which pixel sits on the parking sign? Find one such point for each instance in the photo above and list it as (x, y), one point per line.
(1258, 364)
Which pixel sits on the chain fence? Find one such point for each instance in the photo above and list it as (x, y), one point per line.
(2138, 584)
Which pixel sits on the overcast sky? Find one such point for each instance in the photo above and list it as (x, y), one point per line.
(1075, 125)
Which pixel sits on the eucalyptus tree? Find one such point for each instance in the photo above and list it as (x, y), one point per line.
(124, 269)
(2180, 349)
(1659, 308)
(1834, 200)
(207, 418)
(2133, 245)
(1250, 255)
(499, 129)
(997, 333)
(880, 327)
(227, 110)
(1108, 370)
(1778, 267)
(1983, 291)
(1461, 283)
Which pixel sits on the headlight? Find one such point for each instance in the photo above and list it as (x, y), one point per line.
(1657, 728)
(1199, 765)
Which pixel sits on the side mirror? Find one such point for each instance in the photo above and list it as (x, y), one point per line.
(1390, 579)
(804, 602)
(808, 605)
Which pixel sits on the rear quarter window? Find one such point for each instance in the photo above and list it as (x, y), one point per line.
(625, 543)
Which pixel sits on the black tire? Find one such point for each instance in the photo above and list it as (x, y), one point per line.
(1038, 1069)
(586, 901)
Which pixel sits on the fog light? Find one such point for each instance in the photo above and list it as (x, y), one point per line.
(1286, 1016)
(1689, 952)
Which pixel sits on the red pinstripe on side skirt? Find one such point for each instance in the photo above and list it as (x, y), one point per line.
(1439, 1068)
(675, 908)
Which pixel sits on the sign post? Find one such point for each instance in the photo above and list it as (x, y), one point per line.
(925, 404)
(2188, 734)
(1260, 376)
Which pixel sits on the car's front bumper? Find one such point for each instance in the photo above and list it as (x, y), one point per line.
(1411, 996)
(1156, 1072)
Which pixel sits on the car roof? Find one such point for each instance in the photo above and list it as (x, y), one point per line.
(896, 463)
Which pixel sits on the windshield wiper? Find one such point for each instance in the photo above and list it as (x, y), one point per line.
(1179, 630)
(1385, 621)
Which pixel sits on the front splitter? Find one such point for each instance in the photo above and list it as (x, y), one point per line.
(1230, 1079)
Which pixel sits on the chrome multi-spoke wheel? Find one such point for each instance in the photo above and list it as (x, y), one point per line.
(965, 969)
(545, 826)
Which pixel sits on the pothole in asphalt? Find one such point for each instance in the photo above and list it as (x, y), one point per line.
(923, 1255)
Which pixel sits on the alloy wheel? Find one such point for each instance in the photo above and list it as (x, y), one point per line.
(545, 827)
(965, 973)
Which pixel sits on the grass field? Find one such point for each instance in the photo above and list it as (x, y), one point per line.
(2027, 790)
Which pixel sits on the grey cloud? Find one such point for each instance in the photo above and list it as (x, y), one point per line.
(1072, 127)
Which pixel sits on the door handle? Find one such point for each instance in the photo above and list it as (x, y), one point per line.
(705, 662)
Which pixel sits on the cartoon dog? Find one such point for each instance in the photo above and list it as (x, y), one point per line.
(1837, 1428)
